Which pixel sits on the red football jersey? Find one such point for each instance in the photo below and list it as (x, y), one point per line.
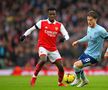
(48, 34)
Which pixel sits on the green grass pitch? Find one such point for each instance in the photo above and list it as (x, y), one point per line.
(49, 83)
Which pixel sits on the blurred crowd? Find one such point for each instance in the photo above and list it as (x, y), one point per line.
(19, 15)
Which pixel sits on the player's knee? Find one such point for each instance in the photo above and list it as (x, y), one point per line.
(43, 58)
(74, 66)
(78, 64)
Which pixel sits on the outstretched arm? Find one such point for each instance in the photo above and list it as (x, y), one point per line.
(27, 33)
(84, 39)
(36, 26)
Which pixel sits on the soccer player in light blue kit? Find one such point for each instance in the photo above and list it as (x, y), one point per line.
(95, 38)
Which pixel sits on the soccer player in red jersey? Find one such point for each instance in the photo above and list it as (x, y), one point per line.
(48, 32)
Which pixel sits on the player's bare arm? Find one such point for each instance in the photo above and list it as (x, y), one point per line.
(74, 43)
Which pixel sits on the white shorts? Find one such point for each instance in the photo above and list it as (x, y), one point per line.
(106, 53)
(53, 56)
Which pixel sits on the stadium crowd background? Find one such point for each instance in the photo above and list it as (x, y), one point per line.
(19, 15)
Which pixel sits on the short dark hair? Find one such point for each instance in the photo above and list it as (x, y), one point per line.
(93, 14)
(51, 8)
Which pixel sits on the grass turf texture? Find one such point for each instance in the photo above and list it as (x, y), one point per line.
(49, 83)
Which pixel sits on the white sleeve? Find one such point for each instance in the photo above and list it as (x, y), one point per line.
(29, 31)
(107, 50)
(38, 24)
(64, 32)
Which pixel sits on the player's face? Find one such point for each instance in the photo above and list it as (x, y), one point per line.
(91, 21)
(51, 15)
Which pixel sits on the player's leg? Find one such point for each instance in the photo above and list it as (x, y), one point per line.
(83, 76)
(55, 58)
(59, 65)
(77, 69)
(42, 61)
(37, 69)
(84, 60)
(84, 79)
(39, 65)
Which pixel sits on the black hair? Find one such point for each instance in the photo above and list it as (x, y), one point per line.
(51, 8)
(93, 14)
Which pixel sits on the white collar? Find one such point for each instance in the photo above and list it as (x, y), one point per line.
(51, 22)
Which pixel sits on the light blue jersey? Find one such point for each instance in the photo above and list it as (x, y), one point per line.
(95, 38)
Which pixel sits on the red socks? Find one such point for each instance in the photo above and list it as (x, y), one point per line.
(60, 74)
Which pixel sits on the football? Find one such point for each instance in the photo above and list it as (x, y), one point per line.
(68, 78)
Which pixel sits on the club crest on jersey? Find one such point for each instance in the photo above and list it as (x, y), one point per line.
(56, 28)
